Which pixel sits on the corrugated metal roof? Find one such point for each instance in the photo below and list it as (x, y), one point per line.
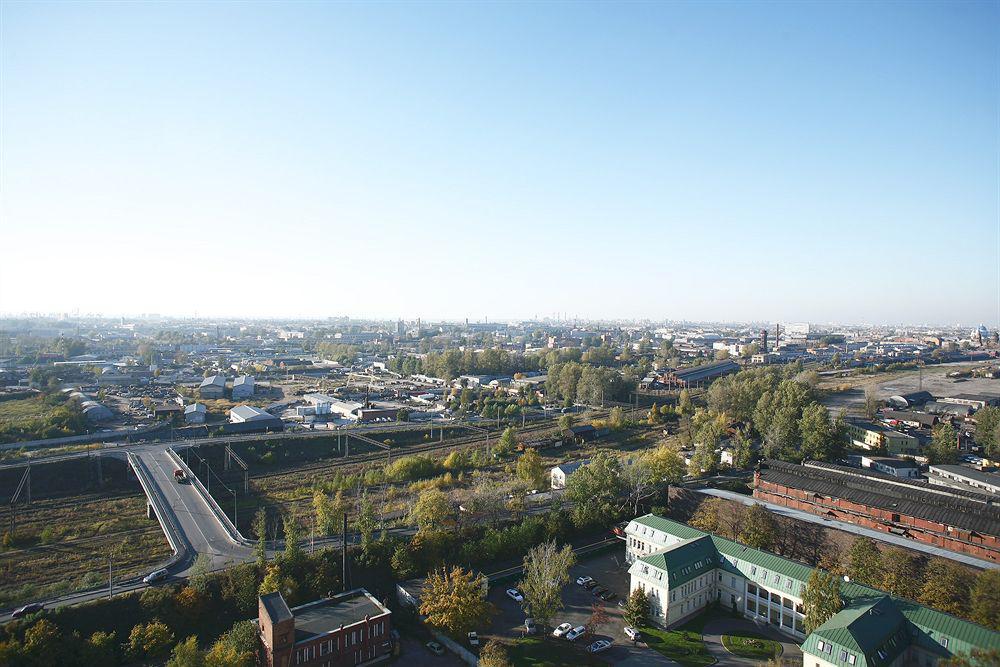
(684, 561)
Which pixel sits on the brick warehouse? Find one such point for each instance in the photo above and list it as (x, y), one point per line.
(955, 520)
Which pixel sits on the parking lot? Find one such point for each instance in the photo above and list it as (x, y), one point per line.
(610, 572)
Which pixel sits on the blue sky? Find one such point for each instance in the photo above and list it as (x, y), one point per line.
(767, 161)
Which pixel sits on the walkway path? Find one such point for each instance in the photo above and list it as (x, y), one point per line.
(717, 627)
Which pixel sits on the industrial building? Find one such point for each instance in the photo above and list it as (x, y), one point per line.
(214, 386)
(698, 376)
(876, 437)
(945, 517)
(978, 479)
(243, 387)
(349, 629)
(195, 413)
(683, 571)
(248, 413)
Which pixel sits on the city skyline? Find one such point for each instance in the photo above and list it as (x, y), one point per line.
(827, 162)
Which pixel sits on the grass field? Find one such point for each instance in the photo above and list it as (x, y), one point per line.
(749, 645)
(684, 645)
(538, 652)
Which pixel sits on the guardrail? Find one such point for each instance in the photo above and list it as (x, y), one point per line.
(170, 529)
(206, 497)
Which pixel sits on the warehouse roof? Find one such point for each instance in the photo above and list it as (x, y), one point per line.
(696, 373)
(214, 380)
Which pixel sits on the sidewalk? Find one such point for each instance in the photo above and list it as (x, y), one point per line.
(717, 627)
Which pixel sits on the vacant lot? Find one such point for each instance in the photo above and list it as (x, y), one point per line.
(934, 380)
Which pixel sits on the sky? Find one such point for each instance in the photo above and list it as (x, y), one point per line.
(823, 162)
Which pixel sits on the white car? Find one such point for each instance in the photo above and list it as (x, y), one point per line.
(581, 581)
(562, 630)
(154, 577)
(515, 595)
(632, 633)
(576, 633)
(598, 646)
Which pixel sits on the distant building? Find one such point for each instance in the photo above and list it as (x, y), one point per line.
(243, 387)
(561, 473)
(167, 410)
(344, 630)
(872, 436)
(974, 401)
(911, 400)
(896, 467)
(214, 386)
(195, 413)
(699, 376)
(949, 409)
(914, 419)
(978, 479)
(248, 413)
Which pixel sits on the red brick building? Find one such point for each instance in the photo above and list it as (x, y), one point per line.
(342, 631)
(955, 520)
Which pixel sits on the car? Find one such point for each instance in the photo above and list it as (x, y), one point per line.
(473, 639)
(529, 626)
(600, 590)
(515, 595)
(590, 585)
(598, 646)
(608, 596)
(32, 608)
(632, 633)
(583, 581)
(576, 633)
(561, 630)
(153, 577)
(435, 648)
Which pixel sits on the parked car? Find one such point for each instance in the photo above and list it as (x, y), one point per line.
(435, 648)
(590, 584)
(600, 590)
(607, 596)
(154, 577)
(561, 630)
(529, 626)
(583, 581)
(473, 639)
(632, 633)
(32, 608)
(599, 645)
(576, 633)
(515, 595)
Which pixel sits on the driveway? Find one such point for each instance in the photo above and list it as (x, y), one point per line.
(717, 627)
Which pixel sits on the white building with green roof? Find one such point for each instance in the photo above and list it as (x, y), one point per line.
(684, 570)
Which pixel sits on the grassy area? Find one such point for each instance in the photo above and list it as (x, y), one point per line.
(538, 652)
(684, 645)
(39, 417)
(750, 645)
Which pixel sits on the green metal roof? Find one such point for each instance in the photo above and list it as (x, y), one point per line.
(868, 628)
(686, 560)
(675, 528)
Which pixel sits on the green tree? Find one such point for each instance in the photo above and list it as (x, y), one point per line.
(293, 534)
(494, 654)
(546, 571)
(821, 599)
(985, 601)
(328, 511)
(684, 405)
(988, 430)
(507, 443)
(260, 530)
(566, 421)
(432, 511)
(187, 654)
(653, 417)
(44, 643)
(636, 612)
(666, 465)
(864, 562)
(595, 490)
(946, 587)
(101, 648)
(455, 600)
(944, 445)
(150, 640)
(236, 648)
(530, 469)
(707, 516)
(617, 418)
(757, 527)
(899, 571)
(366, 520)
(819, 442)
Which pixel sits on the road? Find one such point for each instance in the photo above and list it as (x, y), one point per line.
(853, 528)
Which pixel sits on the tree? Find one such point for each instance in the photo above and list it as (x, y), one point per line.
(236, 648)
(821, 599)
(684, 405)
(186, 654)
(666, 465)
(455, 600)
(260, 530)
(988, 430)
(293, 533)
(507, 443)
(757, 527)
(976, 658)
(617, 418)
(636, 612)
(594, 490)
(985, 602)
(706, 517)
(546, 571)
(899, 571)
(872, 403)
(494, 654)
(530, 469)
(101, 648)
(366, 522)
(44, 643)
(598, 616)
(944, 445)
(819, 442)
(150, 640)
(654, 415)
(864, 562)
(638, 483)
(432, 511)
(566, 421)
(946, 587)
(328, 511)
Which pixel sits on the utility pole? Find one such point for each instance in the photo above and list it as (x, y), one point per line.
(343, 565)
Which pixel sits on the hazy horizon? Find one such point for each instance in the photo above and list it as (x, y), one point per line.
(769, 162)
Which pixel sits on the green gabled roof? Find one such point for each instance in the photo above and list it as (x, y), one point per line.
(863, 628)
(946, 624)
(686, 560)
(683, 531)
(763, 559)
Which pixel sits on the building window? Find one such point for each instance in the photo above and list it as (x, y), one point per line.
(852, 659)
(751, 589)
(944, 642)
(843, 655)
(751, 606)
